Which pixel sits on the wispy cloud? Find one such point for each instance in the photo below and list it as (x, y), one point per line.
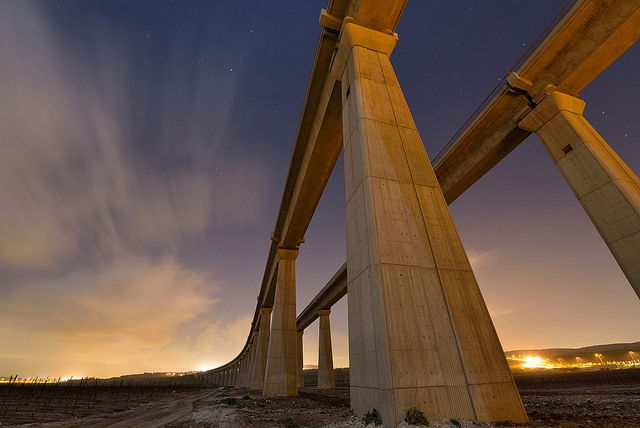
(91, 228)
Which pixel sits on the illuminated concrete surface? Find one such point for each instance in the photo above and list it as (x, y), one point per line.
(281, 371)
(605, 186)
(326, 375)
(419, 332)
(300, 360)
(262, 349)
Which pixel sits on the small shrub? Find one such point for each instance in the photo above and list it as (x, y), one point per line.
(416, 417)
(246, 397)
(290, 424)
(372, 417)
(455, 422)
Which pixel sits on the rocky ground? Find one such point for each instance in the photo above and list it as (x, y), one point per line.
(558, 402)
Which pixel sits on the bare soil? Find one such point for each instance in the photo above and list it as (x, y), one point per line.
(552, 400)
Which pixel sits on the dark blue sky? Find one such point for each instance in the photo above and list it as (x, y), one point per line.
(148, 146)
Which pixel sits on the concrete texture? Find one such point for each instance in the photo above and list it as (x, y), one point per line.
(592, 35)
(420, 334)
(605, 186)
(262, 349)
(326, 375)
(300, 360)
(281, 370)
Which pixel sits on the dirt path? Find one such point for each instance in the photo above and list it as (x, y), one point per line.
(162, 416)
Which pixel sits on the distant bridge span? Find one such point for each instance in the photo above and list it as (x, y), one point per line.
(420, 335)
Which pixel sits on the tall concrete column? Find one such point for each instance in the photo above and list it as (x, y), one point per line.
(235, 374)
(243, 370)
(262, 349)
(281, 374)
(605, 186)
(252, 359)
(419, 330)
(326, 375)
(300, 361)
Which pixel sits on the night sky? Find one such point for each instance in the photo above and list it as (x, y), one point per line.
(144, 148)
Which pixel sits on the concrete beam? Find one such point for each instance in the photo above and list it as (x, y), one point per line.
(319, 138)
(330, 294)
(589, 38)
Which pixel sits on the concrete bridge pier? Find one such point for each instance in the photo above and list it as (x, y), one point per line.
(326, 375)
(246, 361)
(420, 334)
(281, 372)
(262, 348)
(300, 359)
(252, 359)
(605, 186)
(241, 366)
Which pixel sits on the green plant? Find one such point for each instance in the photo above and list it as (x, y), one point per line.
(416, 417)
(455, 422)
(246, 397)
(372, 417)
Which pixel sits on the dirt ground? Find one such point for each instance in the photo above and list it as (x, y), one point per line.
(556, 401)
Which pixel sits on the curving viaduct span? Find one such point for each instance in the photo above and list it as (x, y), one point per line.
(419, 331)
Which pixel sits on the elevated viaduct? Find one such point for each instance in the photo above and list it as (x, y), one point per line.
(419, 331)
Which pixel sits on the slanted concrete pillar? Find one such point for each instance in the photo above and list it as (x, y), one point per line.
(300, 364)
(420, 334)
(281, 373)
(326, 375)
(605, 186)
(262, 349)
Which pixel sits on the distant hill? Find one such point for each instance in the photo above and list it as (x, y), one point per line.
(610, 352)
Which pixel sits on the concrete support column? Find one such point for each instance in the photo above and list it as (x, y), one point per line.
(252, 359)
(605, 186)
(326, 375)
(243, 370)
(300, 361)
(281, 373)
(419, 330)
(235, 375)
(262, 349)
